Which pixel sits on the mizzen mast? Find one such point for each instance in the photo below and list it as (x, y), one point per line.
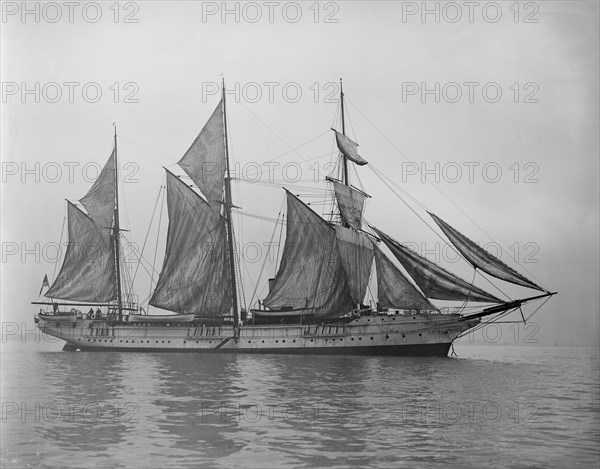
(228, 219)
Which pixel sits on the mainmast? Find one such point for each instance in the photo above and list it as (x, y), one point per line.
(228, 220)
(346, 181)
(116, 235)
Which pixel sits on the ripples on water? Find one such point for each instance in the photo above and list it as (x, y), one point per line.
(491, 407)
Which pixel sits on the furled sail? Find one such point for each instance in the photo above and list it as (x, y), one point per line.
(88, 271)
(356, 253)
(394, 289)
(481, 259)
(311, 274)
(349, 148)
(100, 199)
(195, 277)
(205, 160)
(434, 281)
(351, 203)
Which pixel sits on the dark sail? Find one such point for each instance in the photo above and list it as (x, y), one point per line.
(356, 253)
(205, 160)
(481, 259)
(88, 270)
(394, 289)
(195, 276)
(100, 199)
(434, 281)
(311, 274)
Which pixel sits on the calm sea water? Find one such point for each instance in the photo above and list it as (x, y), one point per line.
(493, 406)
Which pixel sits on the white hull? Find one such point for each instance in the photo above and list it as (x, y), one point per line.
(417, 334)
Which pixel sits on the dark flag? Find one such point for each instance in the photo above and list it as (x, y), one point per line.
(45, 283)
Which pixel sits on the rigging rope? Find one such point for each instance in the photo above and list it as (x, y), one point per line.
(148, 231)
(442, 192)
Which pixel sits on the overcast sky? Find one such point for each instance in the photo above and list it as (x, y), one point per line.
(498, 103)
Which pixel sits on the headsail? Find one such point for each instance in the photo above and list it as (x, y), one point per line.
(205, 160)
(100, 199)
(394, 289)
(481, 259)
(434, 281)
(195, 277)
(349, 148)
(351, 203)
(88, 270)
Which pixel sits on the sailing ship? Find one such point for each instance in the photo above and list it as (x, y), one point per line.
(315, 303)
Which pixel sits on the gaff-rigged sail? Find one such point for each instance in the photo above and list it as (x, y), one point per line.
(311, 274)
(205, 160)
(323, 267)
(88, 271)
(100, 199)
(434, 281)
(349, 148)
(351, 203)
(195, 276)
(394, 289)
(481, 259)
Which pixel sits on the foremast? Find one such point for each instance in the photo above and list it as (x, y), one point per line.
(228, 218)
(345, 158)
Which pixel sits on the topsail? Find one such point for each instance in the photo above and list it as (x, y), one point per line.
(351, 203)
(433, 280)
(100, 199)
(481, 259)
(349, 148)
(205, 160)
